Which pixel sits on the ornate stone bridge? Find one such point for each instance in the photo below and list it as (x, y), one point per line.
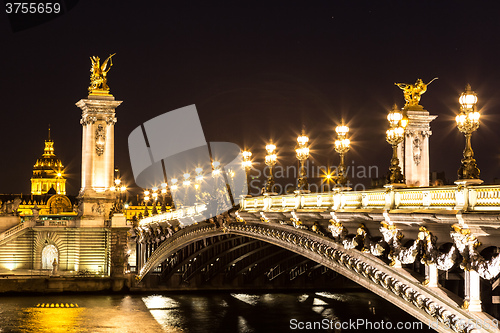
(431, 251)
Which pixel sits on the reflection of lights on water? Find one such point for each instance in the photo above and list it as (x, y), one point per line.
(243, 325)
(52, 319)
(303, 298)
(318, 305)
(318, 301)
(267, 297)
(371, 307)
(337, 297)
(329, 314)
(200, 304)
(249, 299)
(160, 302)
(318, 309)
(165, 311)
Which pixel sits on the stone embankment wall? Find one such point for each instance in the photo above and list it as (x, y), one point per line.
(10, 284)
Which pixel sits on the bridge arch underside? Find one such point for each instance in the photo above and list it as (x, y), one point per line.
(239, 262)
(397, 285)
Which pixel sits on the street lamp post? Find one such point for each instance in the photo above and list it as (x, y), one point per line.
(247, 165)
(394, 136)
(118, 191)
(302, 152)
(155, 200)
(467, 123)
(163, 201)
(146, 199)
(342, 146)
(270, 162)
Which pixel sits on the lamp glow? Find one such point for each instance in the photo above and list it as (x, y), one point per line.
(270, 161)
(247, 163)
(394, 136)
(468, 98)
(302, 153)
(270, 148)
(468, 122)
(342, 146)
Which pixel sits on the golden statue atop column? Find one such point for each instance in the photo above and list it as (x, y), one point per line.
(413, 92)
(413, 152)
(98, 122)
(98, 76)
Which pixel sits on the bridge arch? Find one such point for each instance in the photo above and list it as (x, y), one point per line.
(395, 285)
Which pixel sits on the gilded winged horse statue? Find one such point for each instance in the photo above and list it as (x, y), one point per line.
(98, 74)
(413, 92)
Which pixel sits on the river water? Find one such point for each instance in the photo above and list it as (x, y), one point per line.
(205, 312)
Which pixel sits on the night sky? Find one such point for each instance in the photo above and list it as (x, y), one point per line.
(255, 71)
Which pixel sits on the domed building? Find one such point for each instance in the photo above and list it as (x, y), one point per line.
(48, 189)
(48, 172)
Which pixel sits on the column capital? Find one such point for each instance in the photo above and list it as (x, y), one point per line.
(98, 105)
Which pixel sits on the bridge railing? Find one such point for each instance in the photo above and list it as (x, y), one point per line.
(184, 212)
(478, 198)
(467, 198)
(484, 198)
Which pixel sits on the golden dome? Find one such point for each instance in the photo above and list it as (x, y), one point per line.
(48, 172)
(48, 166)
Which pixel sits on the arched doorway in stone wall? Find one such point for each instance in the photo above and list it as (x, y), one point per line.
(49, 253)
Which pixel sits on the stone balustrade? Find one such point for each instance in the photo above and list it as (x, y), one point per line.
(479, 198)
(178, 214)
(16, 229)
(467, 198)
(59, 223)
